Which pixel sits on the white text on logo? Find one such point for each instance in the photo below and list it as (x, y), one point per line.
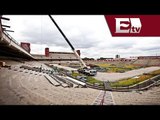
(128, 25)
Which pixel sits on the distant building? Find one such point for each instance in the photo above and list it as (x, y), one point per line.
(117, 56)
(101, 58)
(87, 58)
(133, 57)
(149, 57)
(56, 56)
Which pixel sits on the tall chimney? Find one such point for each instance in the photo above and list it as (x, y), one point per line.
(78, 51)
(47, 52)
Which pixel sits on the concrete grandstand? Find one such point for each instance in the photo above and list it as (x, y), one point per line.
(140, 61)
(61, 58)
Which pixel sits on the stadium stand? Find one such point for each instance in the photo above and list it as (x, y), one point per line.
(149, 97)
(23, 88)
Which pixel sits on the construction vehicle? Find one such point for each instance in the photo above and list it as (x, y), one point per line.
(84, 69)
(87, 71)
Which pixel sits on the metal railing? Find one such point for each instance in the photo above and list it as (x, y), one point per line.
(140, 86)
(11, 38)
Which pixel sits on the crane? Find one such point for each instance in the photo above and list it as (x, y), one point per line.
(73, 49)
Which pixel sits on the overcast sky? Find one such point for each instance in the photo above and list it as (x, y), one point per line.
(88, 33)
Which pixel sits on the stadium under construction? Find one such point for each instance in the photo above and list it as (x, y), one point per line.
(58, 78)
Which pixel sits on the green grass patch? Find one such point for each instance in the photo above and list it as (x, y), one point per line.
(90, 79)
(157, 72)
(75, 74)
(134, 80)
(130, 81)
(93, 80)
(103, 65)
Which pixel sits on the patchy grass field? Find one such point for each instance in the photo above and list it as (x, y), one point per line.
(93, 80)
(120, 68)
(134, 80)
(90, 79)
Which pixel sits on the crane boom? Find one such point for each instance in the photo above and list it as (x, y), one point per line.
(73, 49)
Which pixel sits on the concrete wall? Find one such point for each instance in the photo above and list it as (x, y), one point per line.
(0, 28)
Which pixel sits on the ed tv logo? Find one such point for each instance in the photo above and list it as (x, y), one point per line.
(128, 25)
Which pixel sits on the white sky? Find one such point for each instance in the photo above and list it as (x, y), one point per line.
(88, 33)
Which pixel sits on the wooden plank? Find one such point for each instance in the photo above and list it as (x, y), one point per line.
(51, 80)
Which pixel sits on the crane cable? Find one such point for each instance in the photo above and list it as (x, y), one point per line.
(83, 64)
